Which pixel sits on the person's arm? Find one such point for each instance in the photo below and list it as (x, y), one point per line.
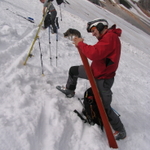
(98, 51)
(44, 10)
(46, 4)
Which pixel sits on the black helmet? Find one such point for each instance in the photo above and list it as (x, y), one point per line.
(98, 23)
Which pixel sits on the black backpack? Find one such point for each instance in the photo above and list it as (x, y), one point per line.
(59, 1)
(90, 109)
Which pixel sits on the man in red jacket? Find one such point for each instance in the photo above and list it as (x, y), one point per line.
(105, 55)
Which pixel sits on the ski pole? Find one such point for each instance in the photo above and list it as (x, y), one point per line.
(41, 56)
(60, 12)
(28, 18)
(50, 54)
(35, 38)
(116, 112)
(56, 44)
(57, 24)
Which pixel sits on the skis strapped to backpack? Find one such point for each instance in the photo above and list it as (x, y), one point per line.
(90, 109)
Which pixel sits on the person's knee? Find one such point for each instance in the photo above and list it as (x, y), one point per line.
(106, 99)
(73, 71)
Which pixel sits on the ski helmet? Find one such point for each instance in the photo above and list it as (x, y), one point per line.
(98, 23)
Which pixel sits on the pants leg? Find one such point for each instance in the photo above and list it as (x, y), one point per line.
(75, 72)
(104, 87)
(53, 17)
(47, 20)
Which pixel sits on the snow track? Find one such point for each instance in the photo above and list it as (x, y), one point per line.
(36, 116)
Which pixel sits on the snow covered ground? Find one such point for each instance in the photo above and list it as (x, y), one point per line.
(36, 116)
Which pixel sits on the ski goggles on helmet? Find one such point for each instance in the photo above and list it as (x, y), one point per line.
(95, 22)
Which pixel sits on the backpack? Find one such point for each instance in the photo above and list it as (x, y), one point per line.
(59, 1)
(90, 109)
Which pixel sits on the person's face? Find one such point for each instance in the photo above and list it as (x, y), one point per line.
(42, 1)
(95, 32)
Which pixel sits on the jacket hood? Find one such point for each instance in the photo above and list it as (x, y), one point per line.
(113, 29)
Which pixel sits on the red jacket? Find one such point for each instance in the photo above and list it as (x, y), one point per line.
(105, 54)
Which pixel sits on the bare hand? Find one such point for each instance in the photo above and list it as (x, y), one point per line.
(76, 40)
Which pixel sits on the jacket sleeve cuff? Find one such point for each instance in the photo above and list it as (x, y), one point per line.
(80, 44)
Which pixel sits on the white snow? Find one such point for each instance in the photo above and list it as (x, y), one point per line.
(36, 116)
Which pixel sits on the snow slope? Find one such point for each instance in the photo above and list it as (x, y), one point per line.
(33, 114)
